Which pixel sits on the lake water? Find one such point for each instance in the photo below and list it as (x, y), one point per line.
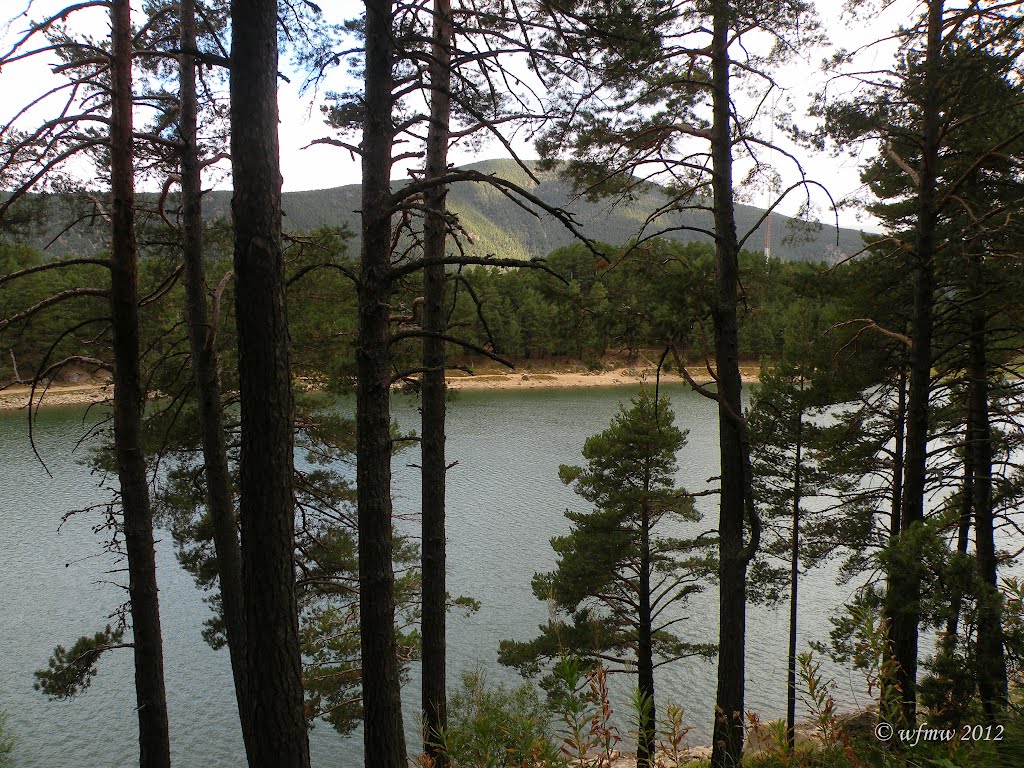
(505, 502)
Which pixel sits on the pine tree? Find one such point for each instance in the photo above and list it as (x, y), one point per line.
(645, 91)
(206, 368)
(99, 89)
(434, 699)
(619, 571)
(792, 391)
(273, 663)
(941, 144)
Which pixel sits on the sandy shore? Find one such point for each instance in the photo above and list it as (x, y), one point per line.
(574, 380)
(14, 398)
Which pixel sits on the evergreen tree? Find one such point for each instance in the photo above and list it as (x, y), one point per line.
(206, 367)
(434, 699)
(273, 663)
(99, 90)
(943, 141)
(792, 391)
(620, 572)
(649, 95)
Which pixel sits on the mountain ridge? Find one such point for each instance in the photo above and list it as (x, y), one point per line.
(499, 227)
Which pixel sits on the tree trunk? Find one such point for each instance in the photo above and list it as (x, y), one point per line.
(383, 734)
(898, 455)
(992, 676)
(794, 576)
(646, 746)
(904, 595)
(273, 661)
(219, 499)
(432, 445)
(727, 747)
(963, 526)
(888, 679)
(129, 401)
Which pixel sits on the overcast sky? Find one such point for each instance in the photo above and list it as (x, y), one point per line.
(320, 167)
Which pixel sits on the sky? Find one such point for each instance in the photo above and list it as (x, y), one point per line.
(317, 167)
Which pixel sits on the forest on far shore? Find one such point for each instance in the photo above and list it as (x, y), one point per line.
(588, 305)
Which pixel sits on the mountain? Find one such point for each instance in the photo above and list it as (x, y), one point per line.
(499, 227)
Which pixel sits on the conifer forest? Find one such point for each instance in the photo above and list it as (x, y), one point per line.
(247, 433)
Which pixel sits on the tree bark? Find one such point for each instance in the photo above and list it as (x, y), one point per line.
(898, 455)
(794, 576)
(273, 662)
(383, 734)
(963, 525)
(992, 675)
(727, 746)
(646, 746)
(432, 445)
(129, 401)
(219, 497)
(903, 598)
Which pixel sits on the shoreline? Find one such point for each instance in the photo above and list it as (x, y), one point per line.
(619, 377)
(57, 395)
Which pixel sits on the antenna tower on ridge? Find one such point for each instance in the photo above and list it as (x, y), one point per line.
(773, 187)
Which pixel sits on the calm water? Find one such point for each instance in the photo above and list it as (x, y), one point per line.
(505, 502)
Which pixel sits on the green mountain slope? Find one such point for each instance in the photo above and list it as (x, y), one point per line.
(500, 227)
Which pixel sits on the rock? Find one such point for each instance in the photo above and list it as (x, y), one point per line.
(70, 374)
(859, 724)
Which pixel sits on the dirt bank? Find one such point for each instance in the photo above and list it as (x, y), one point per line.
(84, 393)
(576, 379)
(16, 397)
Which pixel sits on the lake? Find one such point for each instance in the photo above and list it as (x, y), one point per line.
(505, 503)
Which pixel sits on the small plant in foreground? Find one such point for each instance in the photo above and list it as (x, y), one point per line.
(673, 745)
(577, 742)
(496, 727)
(605, 735)
(771, 736)
(819, 700)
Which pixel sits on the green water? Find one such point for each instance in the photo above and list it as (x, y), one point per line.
(505, 502)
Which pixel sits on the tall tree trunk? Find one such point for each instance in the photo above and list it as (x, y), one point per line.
(432, 445)
(794, 575)
(889, 682)
(992, 676)
(896, 500)
(727, 748)
(383, 735)
(963, 525)
(219, 499)
(645, 752)
(903, 598)
(272, 661)
(129, 401)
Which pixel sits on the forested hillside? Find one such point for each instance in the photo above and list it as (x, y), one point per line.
(498, 226)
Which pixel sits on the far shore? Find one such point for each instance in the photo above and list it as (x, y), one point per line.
(86, 393)
(526, 379)
(16, 397)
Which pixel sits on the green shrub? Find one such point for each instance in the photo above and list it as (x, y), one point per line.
(6, 743)
(494, 726)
